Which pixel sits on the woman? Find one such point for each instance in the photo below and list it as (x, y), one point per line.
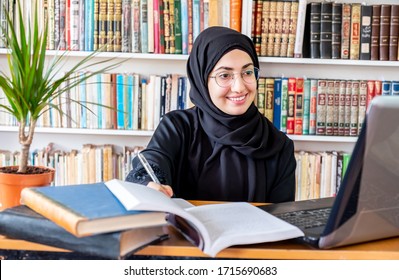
(223, 148)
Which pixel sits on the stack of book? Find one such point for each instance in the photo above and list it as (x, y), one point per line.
(115, 218)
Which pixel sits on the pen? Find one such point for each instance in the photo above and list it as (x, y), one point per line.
(148, 168)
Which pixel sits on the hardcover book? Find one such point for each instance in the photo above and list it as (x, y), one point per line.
(326, 30)
(385, 19)
(211, 227)
(336, 30)
(346, 30)
(394, 33)
(375, 32)
(21, 222)
(354, 48)
(315, 14)
(87, 209)
(365, 32)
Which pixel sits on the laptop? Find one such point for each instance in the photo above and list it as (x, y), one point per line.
(366, 206)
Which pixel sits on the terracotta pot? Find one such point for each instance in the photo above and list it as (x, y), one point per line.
(11, 185)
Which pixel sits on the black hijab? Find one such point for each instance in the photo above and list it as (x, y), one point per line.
(249, 133)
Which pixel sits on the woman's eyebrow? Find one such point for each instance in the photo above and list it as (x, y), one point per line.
(231, 69)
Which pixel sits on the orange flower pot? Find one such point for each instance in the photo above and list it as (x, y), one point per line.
(12, 184)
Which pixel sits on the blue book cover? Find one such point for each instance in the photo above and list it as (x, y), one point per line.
(277, 103)
(89, 25)
(386, 88)
(184, 25)
(83, 109)
(120, 115)
(144, 26)
(395, 88)
(130, 102)
(87, 209)
(196, 18)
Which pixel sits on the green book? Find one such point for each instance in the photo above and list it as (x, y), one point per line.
(178, 28)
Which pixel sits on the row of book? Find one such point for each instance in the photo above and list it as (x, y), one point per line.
(138, 26)
(306, 106)
(114, 101)
(317, 175)
(349, 31)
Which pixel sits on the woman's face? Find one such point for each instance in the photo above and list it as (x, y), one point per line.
(233, 95)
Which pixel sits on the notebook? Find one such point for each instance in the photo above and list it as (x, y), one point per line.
(367, 204)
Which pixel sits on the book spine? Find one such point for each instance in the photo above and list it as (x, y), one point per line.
(375, 32)
(336, 107)
(370, 92)
(341, 110)
(136, 32)
(296, 28)
(89, 25)
(362, 104)
(172, 26)
(269, 98)
(365, 32)
(235, 14)
(336, 30)
(330, 108)
(96, 27)
(284, 104)
(162, 28)
(277, 103)
(394, 33)
(354, 108)
(144, 26)
(150, 18)
(326, 30)
(257, 39)
(184, 26)
(271, 29)
(110, 25)
(346, 30)
(384, 31)
(321, 107)
(291, 105)
(306, 107)
(355, 32)
(315, 18)
(260, 98)
(278, 27)
(298, 109)
(127, 8)
(285, 28)
(120, 101)
(102, 25)
(264, 27)
(196, 18)
(178, 28)
(190, 39)
(166, 25)
(157, 30)
(386, 88)
(313, 107)
(348, 107)
(117, 38)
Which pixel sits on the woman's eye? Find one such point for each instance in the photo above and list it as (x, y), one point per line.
(248, 73)
(225, 76)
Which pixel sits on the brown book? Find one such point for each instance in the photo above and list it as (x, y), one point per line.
(365, 32)
(265, 27)
(285, 28)
(113, 102)
(375, 33)
(394, 33)
(362, 104)
(269, 98)
(348, 107)
(258, 25)
(355, 31)
(102, 24)
(278, 27)
(110, 25)
(337, 88)
(117, 26)
(296, 29)
(341, 109)
(346, 30)
(271, 30)
(385, 20)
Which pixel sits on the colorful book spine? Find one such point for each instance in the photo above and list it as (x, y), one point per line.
(365, 32)
(120, 101)
(117, 26)
(138, 27)
(269, 98)
(264, 27)
(178, 28)
(354, 48)
(346, 30)
(321, 107)
(184, 25)
(144, 26)
(298, 108)
(306, 107)
(127, 8)
(284, 104)
(291, 106)
(277, 103)
(261, 96)
(89, 25)
(355, 108)
(313, 107)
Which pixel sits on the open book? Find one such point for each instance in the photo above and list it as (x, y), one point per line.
(211, 227)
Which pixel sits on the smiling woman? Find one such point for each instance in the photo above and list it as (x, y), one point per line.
(222, 148)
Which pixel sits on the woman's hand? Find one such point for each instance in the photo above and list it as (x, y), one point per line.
(166, 189)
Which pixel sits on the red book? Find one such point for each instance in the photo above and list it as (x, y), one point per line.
(370, 92)
(298, 106)
(291, 105)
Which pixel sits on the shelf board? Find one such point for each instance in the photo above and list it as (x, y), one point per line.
(148, 133)
(313, 61)
(80, 131)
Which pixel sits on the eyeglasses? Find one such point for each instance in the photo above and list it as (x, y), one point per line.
(227, 78)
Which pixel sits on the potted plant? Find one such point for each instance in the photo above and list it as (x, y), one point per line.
(30, 85)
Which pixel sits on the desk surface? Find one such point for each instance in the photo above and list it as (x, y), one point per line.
(178, 246)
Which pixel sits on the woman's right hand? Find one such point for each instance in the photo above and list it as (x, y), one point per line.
(166, 189)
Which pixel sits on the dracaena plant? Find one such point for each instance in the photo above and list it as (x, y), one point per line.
(33, 82)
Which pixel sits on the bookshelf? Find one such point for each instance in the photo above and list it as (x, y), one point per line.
(159, 64)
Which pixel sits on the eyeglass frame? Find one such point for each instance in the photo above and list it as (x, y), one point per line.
(255, 69)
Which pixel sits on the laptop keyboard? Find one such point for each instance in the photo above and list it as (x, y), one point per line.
(306, 219)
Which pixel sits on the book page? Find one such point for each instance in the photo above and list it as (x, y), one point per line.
(240, 223)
